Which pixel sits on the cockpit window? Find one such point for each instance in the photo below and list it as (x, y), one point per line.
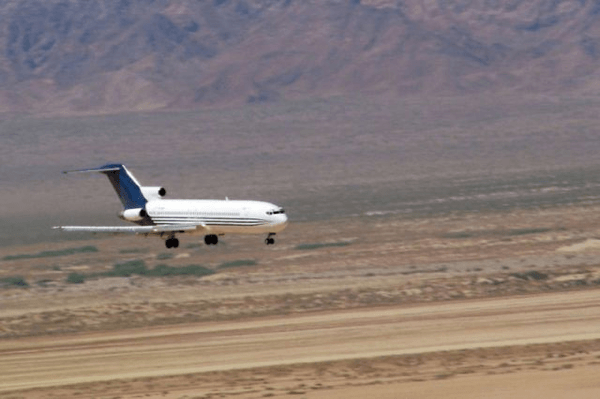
(276, 211)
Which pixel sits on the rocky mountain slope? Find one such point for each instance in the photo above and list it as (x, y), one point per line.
(95, 56)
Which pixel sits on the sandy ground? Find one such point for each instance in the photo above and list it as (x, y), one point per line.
(493, 305)
(367, 333)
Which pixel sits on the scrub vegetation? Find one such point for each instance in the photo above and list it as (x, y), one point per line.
(138, 267)
(320, 245)
(50, 254)
(75, 278)
(530, 275)
(189, 270)
(126, 269)
(13, 281)
(237, 263)
(520, 232)
(132, 251)
(499, 232)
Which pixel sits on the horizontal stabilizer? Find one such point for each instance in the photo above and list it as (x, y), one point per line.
(130, 229)
(99, 170)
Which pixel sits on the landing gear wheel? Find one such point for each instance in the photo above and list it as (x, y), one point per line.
(270, 240)
(172, 243)
(211, 239)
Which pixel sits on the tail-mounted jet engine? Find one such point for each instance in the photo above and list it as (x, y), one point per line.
(153, 193)
(133, 215)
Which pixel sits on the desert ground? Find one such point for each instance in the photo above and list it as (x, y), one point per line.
(501, 304)
(437, 247)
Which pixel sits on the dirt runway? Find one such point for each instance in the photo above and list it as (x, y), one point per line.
(367, 333)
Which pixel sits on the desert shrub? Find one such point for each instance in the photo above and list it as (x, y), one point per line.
(75, 278)
(138, 267)
(190, 270)
(520, 232)
(535, 275)
(48, 254)
(132, 251)
(458, 234)
(126, 269)
(320, 245)
(237, 263)
(196, 270)
(14, 281)
(162, 271)
(531, 275)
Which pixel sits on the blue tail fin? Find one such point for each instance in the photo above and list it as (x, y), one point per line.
(126, 186)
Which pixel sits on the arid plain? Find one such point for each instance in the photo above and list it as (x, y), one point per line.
(462, 305)
(419, 262)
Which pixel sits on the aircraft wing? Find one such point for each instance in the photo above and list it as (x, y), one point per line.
(175, 228)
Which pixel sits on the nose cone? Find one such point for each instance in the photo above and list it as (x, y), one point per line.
(276, 217)
(280, 222)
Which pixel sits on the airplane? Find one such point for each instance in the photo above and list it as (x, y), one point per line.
(167, 218)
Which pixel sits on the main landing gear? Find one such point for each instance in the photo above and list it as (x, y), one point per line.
(270, 240)
(172, 242)
(211, 239)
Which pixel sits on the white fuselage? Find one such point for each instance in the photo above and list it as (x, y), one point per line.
(218, 216)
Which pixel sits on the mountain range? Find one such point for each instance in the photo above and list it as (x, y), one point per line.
(106, 56)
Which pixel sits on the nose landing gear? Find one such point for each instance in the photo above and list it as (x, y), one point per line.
(270, 240)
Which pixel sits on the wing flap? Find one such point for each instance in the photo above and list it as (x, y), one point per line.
(130, 229)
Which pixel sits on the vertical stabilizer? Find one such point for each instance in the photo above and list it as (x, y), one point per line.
(126, 186)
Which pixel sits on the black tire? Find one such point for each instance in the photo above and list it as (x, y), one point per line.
(175, 243)
(168, 243)
(211, 239)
